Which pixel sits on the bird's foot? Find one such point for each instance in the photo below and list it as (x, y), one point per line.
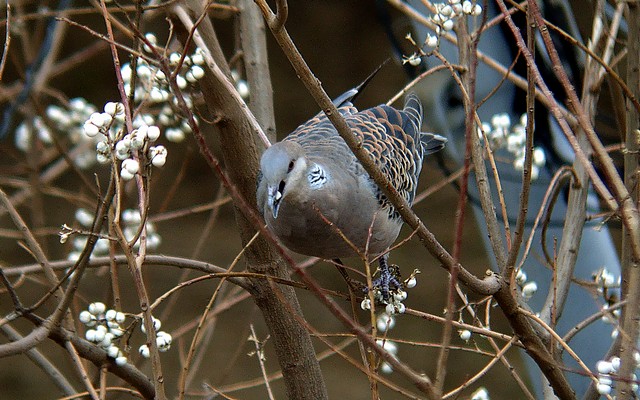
(388, 283)
(388, 287)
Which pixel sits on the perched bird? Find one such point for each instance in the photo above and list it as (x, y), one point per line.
(318, 200)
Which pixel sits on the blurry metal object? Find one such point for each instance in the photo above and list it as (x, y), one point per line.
(445, 114)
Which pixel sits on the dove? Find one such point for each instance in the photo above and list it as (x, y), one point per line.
(318, 200)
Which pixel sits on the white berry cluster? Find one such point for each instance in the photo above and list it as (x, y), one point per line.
(152, 88)
(152, 84)
(131, 221)
(480, 394)
(444, 18)
(608, 370)
(68, 120)
(502, 135)
(528, 288)
(127, 148)
(608, 286)
(605, 280)
(105, 329)
(446, 13)
(394, 305)
(385, 322)
(163, 339)
(157, 111)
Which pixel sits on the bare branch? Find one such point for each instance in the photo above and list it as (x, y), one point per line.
(41, 361)
(488, 285)
(630, 259)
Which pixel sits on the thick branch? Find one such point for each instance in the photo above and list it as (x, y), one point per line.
(254, 46)
(630, 259)
(236, 126)
(99, 358)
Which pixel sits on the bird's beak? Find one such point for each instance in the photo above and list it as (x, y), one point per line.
(275, 195)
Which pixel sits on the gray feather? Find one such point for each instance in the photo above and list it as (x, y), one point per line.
(312, 187)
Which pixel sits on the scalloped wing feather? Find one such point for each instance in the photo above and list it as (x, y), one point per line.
(391, 136)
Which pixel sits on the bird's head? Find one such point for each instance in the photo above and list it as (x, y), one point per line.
(283, 167)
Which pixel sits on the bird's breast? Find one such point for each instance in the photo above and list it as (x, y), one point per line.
(330, 221)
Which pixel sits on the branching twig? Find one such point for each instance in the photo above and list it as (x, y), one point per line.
(41, 361)
(259, 354)
(203, 317)
(630, 259)
(41, 332)
(576, 203)
(82, 372)
(623, 201)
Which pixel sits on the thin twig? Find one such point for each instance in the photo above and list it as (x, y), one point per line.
(42, 362)
(259, 353)
(622, 200)
(481, 373)
(7, 41)
(604, 312)
(509, 272)
(562, 343)
(32, 242)
(203, 317)
(82, 372)
(553, 190)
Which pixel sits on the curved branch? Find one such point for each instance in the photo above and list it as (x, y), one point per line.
(41, 361)
(162, 260)
(491, 283)
(239, 131)
(99, 358)
(282, 12)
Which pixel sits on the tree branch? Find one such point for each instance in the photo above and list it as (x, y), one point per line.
(490, 284)
(630, 260)
(239, 131)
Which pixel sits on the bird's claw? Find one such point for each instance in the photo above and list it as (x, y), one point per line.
(388, 284)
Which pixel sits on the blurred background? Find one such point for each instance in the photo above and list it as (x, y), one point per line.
(342, 42)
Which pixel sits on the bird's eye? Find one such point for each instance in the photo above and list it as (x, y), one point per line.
(291, 164)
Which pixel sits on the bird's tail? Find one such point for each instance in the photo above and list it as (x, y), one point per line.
(431, 142)
(348, 97)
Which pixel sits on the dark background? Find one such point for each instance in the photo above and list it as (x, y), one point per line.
(342, 41)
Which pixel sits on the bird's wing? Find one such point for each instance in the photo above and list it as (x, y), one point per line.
(391, 136)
